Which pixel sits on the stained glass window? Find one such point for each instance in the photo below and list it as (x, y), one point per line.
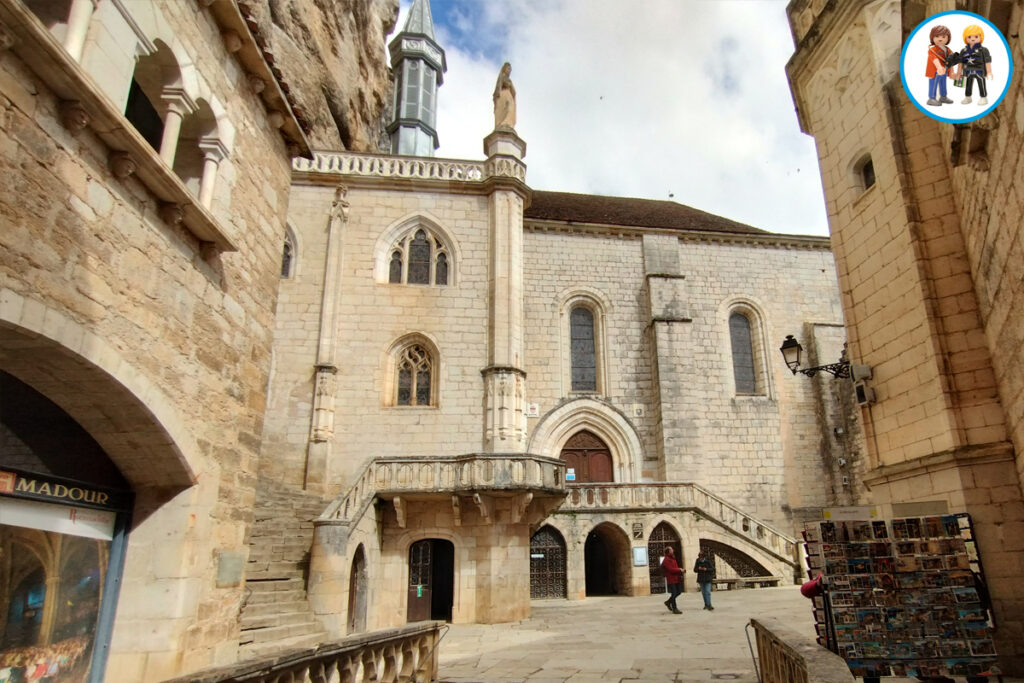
(419, 258)
(584, 358)
(415, 370)
(742, 354)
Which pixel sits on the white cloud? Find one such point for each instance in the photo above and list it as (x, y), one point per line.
(626, 98)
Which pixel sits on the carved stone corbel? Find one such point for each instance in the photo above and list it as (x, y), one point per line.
(7, 39)
(485, 505)
(400, 511)
(171, 213)
(232, 41)
(456, 511)
(73, 115)
(256, 84)
(519, 505)
(122, 165)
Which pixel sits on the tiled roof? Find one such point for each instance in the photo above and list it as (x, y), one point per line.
(626, 211)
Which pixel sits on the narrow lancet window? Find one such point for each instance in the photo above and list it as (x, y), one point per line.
(584, 356)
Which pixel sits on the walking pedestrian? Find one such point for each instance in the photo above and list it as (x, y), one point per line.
(673, 579)
(705, 568)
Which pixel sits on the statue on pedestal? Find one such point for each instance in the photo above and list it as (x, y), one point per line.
(504, 100)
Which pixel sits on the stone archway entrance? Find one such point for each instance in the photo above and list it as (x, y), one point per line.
(547, 564)
(606, 558)
(431, 580)
(357, 598)
(663, 536)
(587, 459)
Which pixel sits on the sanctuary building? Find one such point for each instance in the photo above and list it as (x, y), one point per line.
(260, 393)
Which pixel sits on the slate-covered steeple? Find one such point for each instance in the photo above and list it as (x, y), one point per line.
(418, 64)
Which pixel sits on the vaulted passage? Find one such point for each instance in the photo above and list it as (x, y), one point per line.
(607, 561)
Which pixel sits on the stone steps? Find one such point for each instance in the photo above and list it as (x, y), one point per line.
(276, 616)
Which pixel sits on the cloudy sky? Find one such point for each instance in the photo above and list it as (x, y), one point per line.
(664, 99)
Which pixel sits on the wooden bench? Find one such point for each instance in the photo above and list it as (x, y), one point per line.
(760, 581)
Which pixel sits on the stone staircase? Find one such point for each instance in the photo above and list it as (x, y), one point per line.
(276, 615)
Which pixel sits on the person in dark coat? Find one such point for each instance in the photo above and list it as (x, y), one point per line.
(673, 579)
(705, 568)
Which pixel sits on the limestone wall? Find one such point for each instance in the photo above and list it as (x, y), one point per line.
(372, 317)
(156, 344)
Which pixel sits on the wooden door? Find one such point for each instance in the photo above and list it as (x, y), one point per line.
(547, 564)
(357, 593)
(420, 585)
(589, 457)
(662, 537)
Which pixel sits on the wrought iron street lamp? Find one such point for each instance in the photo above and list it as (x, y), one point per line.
(791, 351)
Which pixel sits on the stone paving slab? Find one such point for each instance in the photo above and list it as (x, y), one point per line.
(630, 640)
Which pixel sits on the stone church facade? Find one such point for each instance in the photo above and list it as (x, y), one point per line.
(479, 391)
(938, 218)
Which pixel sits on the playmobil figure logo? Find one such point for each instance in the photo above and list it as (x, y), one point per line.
(956, 66)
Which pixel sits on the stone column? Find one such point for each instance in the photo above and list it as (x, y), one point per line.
(318, 452)
(178, 104)
(213, 153)
(504, 379)
(79, 19)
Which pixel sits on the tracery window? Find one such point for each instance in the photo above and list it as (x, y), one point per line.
(419, 258)
(742, 354)
(583, 350)
(415, 369)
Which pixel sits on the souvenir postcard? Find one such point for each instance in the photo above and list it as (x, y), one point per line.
(940, 597)
(874, 649)
(933, 547)
(815, 561)
(833, 551)
(883, 565)
(840, 582)
(879, 529)
(859, 531)
(828, 533)
(879, 549)
(895, 617)
(975, 615)
(899, 529)
(885, 582)
(835, 567)
(862, 566)
(933, 527)
(812, 534)
(849, 650)
(982, 647)
(958, 561)
(955, 648)
(929, 563)
(966, 595)
(901, 650)
(861, 581)
(857, 550)
(906, 548)
(845, 616)
(913, 527)
(933, 579)
(952, 526)
(960, 578)
(907, 563)
(927, 648)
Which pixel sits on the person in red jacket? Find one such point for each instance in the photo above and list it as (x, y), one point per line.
(673, 579)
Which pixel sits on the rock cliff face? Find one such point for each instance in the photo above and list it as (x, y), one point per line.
(333, 56)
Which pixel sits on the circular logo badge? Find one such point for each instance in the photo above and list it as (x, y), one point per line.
(956, 66)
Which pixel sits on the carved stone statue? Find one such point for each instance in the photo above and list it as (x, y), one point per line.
(504, 100)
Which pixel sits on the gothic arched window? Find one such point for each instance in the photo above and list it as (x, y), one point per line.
(583, 350)
(286, 259)
(742, 354)
(419, 258)
(415, 381)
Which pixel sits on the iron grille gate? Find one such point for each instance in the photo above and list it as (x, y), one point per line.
(547, 564)
(662, 537)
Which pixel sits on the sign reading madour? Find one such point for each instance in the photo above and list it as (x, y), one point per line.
(61, 519)
(54, 490)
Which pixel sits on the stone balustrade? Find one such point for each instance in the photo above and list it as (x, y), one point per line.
(785, 656)
(408, 653)
(463, 474)
(678, 496)
(420, 168)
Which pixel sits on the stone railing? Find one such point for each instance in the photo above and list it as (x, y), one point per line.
(679, 496)
(463, 474)
(421, 168)
(785, 656)
(408, 653)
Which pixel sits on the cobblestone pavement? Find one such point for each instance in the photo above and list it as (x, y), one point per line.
(623, 639)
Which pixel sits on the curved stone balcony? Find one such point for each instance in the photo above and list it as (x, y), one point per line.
(685, 496)
(532, 478)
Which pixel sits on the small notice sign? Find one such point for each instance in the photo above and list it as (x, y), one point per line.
(419, 590)
(570, 474)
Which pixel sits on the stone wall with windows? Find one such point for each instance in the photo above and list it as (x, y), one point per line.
(152, 334)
